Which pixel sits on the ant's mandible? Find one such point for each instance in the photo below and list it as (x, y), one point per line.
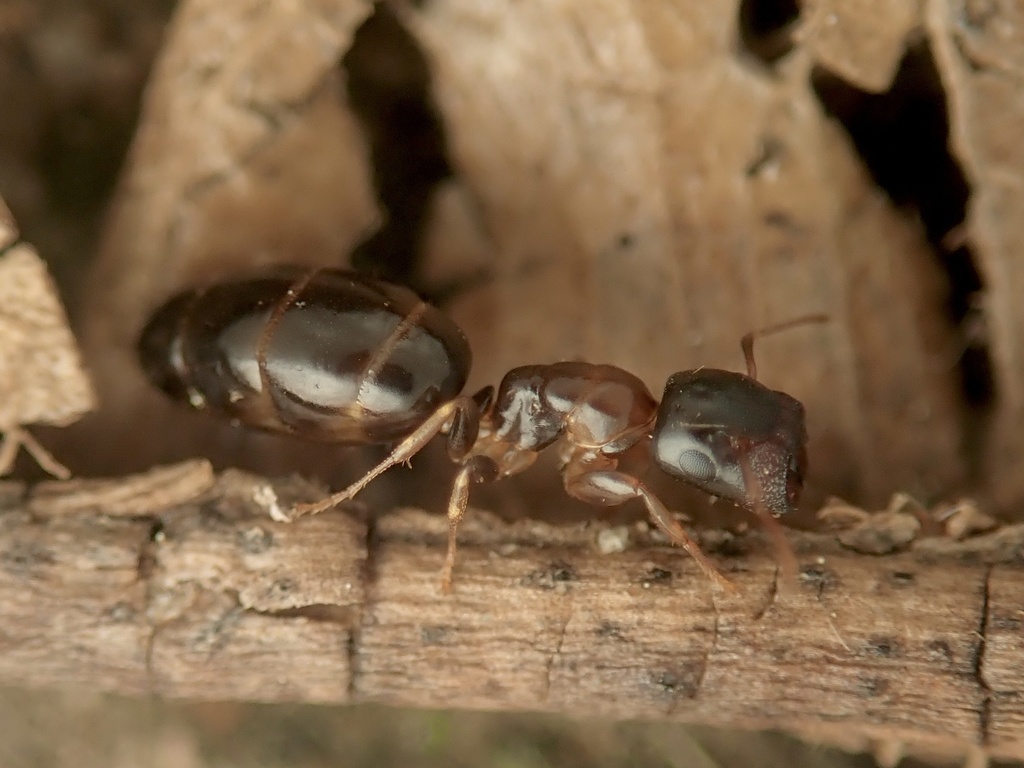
(337, 356)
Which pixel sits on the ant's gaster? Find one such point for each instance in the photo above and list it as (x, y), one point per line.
(336, 356)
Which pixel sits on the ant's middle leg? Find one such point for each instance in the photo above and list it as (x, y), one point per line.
(490, 461)
(477, 469)
(596, 480)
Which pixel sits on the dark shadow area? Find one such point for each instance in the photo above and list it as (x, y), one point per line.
(389, 86)
(71, 75)
(71, 79)
(766, 28)
(903, 137)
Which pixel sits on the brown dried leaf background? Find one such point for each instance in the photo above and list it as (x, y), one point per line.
(631, 184)
(246, 154)
(626, 182)
(41, 376)
(979, 49)
(650, 195)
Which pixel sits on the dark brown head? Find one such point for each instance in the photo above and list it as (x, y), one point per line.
(711, 421)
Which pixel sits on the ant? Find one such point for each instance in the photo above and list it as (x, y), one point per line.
(337, 356)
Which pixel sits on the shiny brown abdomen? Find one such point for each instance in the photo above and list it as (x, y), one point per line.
(331, 354)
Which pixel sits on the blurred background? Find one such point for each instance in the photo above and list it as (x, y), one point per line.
(72, 77)
(90, 731)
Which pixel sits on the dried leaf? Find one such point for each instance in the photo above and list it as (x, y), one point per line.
(839, 515)
(862, 41)
(214, 184)
(963, 519)
(42, 380)
(635, 188)
(247, 153)
(979, 53)
(882, 534)
(650, 195)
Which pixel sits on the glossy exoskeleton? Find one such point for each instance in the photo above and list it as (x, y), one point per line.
(338, 356)
(734, 438)
(326, 355)
(715, 426)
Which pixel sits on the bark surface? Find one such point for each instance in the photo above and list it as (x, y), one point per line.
(209, 598)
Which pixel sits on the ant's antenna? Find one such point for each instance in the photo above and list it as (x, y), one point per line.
(747, 342)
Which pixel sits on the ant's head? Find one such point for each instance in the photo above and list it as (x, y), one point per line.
(711, 422)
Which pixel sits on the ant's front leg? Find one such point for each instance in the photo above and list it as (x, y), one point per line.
(755, 503)
(488, 460)
(593, 478)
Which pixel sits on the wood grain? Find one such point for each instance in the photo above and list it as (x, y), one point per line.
(213, 600)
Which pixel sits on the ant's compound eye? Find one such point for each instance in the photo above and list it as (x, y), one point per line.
(697, 465)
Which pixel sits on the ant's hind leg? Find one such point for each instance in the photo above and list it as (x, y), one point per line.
(479, 469)
(609, 487)
(439, 421)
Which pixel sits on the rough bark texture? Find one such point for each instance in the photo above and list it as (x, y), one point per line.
(211, 599)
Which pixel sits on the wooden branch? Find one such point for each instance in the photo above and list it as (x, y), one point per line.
(211, 599)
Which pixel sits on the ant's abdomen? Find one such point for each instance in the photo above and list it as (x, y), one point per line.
(330, 354)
